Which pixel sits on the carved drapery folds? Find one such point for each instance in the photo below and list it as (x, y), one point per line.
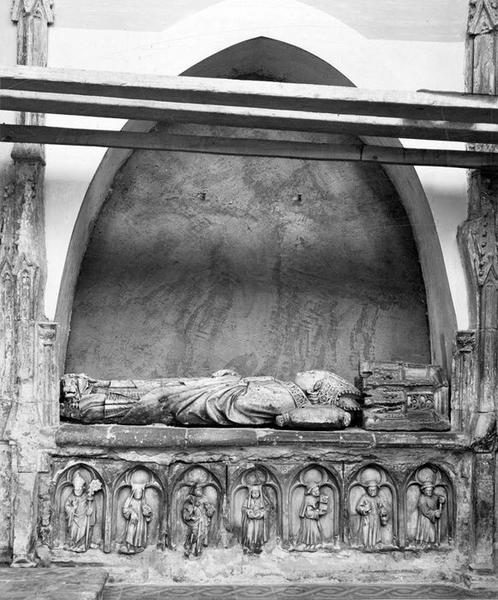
(80, 509)
(429, 508)
(314, 506)
(256, 498)
(372, 507)
(138, 504)
(303, 508)
(196, 510)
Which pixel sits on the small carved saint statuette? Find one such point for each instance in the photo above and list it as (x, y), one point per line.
(430, 507)
(197, 513)
(255, 520)
(81, 514)
(314, 506)
(138, 515)
(373, 509)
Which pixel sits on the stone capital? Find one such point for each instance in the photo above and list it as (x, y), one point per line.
(483, 17)
(43, 9)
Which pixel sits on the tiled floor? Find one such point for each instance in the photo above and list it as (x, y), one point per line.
(301, 592)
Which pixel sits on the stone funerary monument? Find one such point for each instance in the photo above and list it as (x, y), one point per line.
(254, 359)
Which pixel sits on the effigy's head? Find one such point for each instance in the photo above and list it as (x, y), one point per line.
(325, 387)
(73, 388)
(74, 385)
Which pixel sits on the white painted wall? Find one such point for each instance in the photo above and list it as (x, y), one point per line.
(369, 63)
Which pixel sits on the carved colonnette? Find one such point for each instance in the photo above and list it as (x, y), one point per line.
(28, 380)
(478, 237)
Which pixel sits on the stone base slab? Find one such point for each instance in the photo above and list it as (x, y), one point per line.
(60, 583)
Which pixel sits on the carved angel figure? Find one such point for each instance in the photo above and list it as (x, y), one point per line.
(255, 520)
(314, 506)
(197, 514)
(318, 399)
(80, 514)
(138, 515)
(374, 512)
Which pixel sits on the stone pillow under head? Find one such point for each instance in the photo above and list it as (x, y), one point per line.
(325, 416)
(325, 387)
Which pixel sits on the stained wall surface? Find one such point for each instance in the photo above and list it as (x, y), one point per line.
(268, 266)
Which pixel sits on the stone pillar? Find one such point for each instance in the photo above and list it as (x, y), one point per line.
(478, 237)
(28, 372)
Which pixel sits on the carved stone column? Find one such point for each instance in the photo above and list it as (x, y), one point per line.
(27, 367)
(478, 238)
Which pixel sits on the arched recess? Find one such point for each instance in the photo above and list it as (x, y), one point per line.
(264, 58)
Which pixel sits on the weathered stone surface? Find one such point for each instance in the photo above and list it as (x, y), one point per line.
(27, 362)
(162, 436)
(52, 584)
(284, 486)
(478, 237)
(401, 396)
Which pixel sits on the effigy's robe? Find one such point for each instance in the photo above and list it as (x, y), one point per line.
(224, 400)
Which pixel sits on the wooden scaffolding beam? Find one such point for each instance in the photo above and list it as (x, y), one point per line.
(244, 146)
(472, 119)
(432, 105)
(235, 116)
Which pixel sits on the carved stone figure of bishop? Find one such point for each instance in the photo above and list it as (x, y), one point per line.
(81, 514)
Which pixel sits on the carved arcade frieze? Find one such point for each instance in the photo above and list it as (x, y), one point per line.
(303, 508)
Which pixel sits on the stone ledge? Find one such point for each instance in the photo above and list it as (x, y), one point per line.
(162, 436)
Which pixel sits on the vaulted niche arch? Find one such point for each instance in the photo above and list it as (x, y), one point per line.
(201, 262)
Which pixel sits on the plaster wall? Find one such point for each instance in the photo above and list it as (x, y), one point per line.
(169, 43)
(266, 266)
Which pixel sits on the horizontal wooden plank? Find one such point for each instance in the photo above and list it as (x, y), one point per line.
(259, 118)
(247, 146)
(422, 105)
